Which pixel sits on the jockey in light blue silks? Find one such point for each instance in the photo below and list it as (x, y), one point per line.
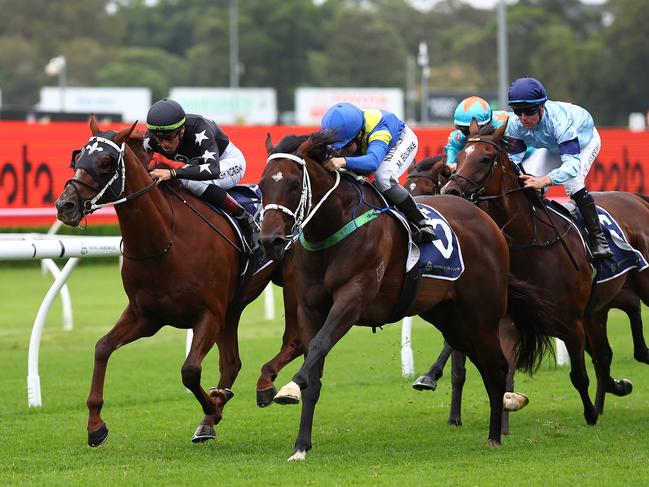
(568, 133)
(376, 141)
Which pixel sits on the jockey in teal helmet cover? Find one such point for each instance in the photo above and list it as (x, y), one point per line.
(568, 133)
(378, 142)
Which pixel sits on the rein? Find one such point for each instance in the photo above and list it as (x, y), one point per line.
(477, 197)
(209, 223)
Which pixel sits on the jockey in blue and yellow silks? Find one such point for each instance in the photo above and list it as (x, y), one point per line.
(376, 141)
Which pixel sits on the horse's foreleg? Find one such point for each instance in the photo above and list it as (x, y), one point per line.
(630, 304)
(601, 353)
(127, 329)
(509, 336)
(341, 317)
(291, 348)
(575, 343)
(458, 378)
(428, 381)
(309, 400)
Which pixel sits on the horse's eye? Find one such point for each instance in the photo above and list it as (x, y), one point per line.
(294, 186)
(106, 165)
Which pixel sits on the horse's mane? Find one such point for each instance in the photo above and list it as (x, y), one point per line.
(426, 163)
(319, 150)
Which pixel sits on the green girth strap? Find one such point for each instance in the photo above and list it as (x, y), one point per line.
(341, 234)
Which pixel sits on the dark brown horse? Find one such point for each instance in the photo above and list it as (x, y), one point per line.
(428, 177)
(544, 245)
(182, 267)
(358, 280)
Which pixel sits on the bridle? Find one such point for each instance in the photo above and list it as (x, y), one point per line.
(90, 205)
(304, 211)
(423, 175)
(481, 186)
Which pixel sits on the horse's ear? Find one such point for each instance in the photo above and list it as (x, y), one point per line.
(500, 131)
(446, 171)
(269, 143)
(305, 147)
(94, 128)
(124, 134)
(474, 127)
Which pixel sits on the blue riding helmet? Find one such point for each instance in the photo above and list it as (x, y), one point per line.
(345, 120)
(527, 92)
(470, 108)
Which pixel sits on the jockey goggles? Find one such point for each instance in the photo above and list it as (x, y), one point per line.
(529, 111)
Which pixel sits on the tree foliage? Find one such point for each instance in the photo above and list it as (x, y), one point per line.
(591, 55)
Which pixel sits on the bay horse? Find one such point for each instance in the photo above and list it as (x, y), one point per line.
(428, 177)
(358, 280)
(182, 267)
(543, 245)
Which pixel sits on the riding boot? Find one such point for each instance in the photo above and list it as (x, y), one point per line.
(404, 202)
(599, 248)
(220, 198)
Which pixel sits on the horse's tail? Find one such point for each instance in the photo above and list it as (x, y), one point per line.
(536, 319)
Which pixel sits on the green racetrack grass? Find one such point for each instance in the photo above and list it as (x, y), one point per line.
(371, 427)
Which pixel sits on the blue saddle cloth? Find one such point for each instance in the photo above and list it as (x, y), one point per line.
(442, 258)
(625, 257)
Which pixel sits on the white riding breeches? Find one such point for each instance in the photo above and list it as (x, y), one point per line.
(541, 162)
(396, 161)
(232, 167)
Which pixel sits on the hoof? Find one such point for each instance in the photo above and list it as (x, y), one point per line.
(591, 417)
(265, 397)
(98, 437)
(514, 401)
(493, 444)
(454, 422)
(623, 388)
(203, 433)
(642, 356)
(289, 394)
(424, 383)
(225, 392)
(298, 456)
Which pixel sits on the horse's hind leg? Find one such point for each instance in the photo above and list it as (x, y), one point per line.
(205, 335)
(458, 378)
(428, 381)
(128, 328)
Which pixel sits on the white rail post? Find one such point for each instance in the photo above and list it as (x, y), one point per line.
(407, 359)
(562, 353)
(66, 302)
(269, 302)
(33, 379)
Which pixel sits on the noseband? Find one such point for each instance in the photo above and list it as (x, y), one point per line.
(302, 214)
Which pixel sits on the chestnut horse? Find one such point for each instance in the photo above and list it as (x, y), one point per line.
(182, 267)
(358, 280)
(544, 245)
(427, 177)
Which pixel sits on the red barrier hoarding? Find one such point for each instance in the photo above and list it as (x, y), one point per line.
(35, 158)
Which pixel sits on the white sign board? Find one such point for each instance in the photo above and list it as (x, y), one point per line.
(242, 106)
(312, 103)
(132, 103)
